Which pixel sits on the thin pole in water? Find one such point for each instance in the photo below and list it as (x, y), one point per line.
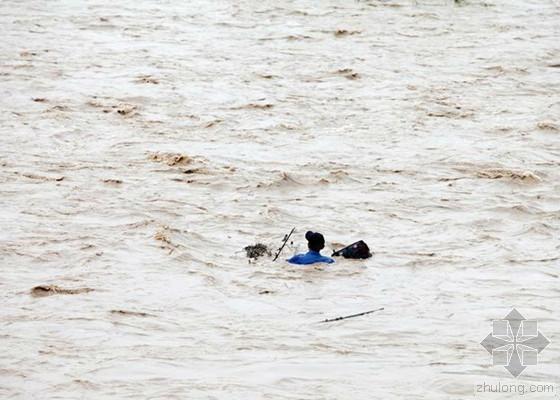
(353, 315)
(286, 238)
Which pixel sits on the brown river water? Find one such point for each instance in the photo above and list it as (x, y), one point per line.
(144, 144)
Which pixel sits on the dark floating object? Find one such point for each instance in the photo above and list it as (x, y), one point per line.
(345, 32)
(257, 250)
(131, 313)
(357, 250)
(44, 290)
(353, 315)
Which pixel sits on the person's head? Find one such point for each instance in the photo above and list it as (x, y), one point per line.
(315, 241)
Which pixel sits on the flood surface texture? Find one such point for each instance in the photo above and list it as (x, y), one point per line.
(144, 144)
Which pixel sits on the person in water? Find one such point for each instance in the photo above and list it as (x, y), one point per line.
(315, 242)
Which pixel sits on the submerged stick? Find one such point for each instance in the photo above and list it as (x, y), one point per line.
(353, 315)
(286, 238)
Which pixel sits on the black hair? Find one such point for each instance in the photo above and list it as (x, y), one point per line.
(315, 241)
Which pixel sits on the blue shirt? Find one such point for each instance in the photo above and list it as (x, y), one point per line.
(311, 257)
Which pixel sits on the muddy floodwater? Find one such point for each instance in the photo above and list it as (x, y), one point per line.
(144, 144)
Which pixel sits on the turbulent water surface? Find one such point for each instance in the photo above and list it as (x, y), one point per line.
(145, 143)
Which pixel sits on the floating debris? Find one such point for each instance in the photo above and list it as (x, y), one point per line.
(345, 32)
(257, 250)
(126, 109)
(112, 181)
(49, 290)
(192, 171)
(548, 126)
(256, 106)
(210, 124)
(147, 79)
(501, 173)
(353, 315)
(171, 159)
(349, 73)
(41, 178)
(163, 235)
(266, 76)
(131, 313)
